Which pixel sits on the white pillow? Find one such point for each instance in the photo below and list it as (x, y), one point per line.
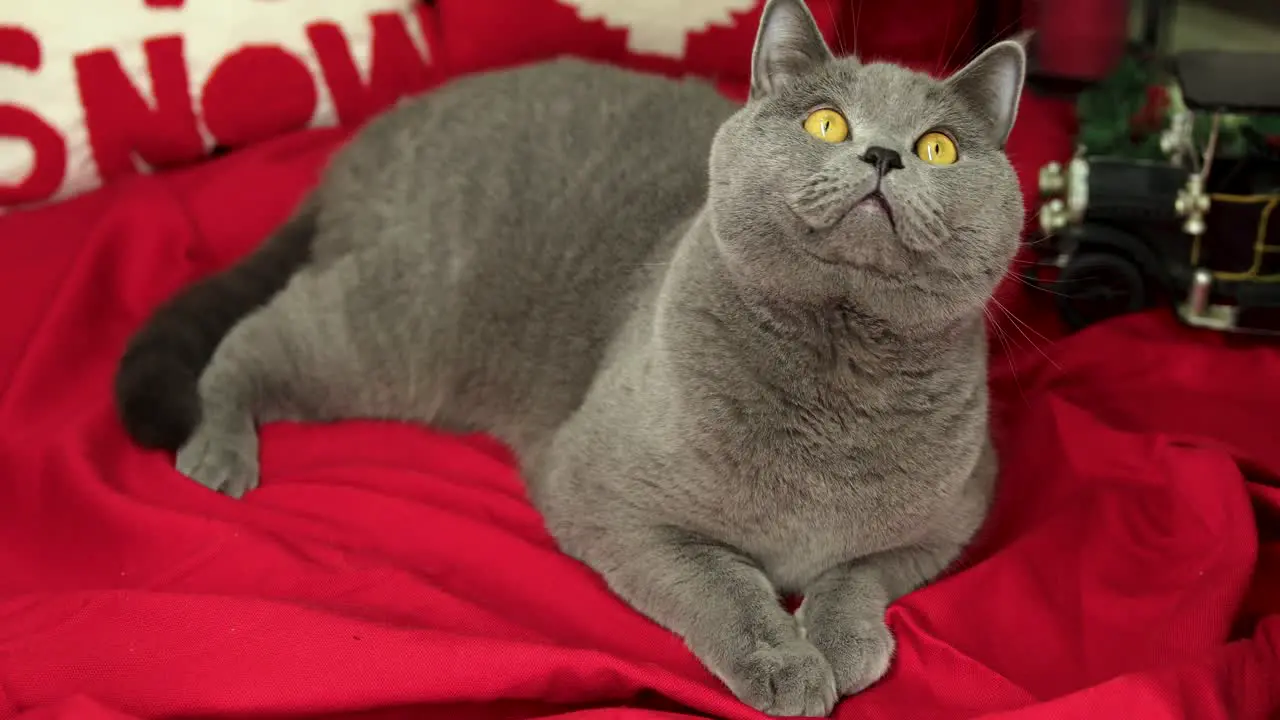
(91, 90)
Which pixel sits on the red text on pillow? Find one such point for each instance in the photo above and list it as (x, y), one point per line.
(256, 93)
(120, 120)
(395, 65)
(253, 92)
(21, 49)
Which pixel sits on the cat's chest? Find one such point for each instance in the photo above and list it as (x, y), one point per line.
(816, 522)
(801, 510)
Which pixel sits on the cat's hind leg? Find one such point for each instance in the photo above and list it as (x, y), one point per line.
(290, 359)
(222, 453)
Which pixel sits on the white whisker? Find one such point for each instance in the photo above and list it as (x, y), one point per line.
(1008, 352)
(1019, 325)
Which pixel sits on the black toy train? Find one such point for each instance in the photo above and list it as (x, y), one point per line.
(1198, 232)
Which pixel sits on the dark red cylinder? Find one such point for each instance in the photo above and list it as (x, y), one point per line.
(1080, 39)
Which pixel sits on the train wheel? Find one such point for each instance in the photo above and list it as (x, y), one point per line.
(1097, 286)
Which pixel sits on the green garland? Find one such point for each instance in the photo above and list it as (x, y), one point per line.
(1125, 114)
(1105, 111)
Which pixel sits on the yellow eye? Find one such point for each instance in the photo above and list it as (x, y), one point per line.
(936, 148)
(827, 125)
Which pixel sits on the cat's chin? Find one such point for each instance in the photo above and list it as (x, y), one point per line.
(866, 238)
(857, 270)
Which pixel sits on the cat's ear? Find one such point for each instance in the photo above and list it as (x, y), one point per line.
(788, 45)
(992, 86)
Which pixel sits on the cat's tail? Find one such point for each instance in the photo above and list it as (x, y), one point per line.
(156, 383)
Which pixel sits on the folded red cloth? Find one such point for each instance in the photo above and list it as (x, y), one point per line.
(386, 571)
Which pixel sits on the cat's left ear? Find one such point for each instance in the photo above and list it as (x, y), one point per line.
(992, 86)
(788, 45)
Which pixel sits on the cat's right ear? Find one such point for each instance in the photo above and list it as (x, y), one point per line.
(788, 45)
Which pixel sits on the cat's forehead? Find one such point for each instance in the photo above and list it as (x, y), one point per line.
(883, 93)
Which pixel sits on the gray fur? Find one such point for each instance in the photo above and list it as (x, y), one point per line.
(724, 380)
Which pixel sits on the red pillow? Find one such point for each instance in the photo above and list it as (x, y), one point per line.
(708, 38)
(134, 85)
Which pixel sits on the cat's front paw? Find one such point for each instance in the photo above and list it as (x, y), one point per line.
(221, 458)
(791, 679)
(859, 650)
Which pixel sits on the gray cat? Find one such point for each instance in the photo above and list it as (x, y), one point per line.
(738, 350)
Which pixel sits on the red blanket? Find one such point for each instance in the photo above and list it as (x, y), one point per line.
(1129, 570)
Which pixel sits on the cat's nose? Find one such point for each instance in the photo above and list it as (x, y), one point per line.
(884, 159)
